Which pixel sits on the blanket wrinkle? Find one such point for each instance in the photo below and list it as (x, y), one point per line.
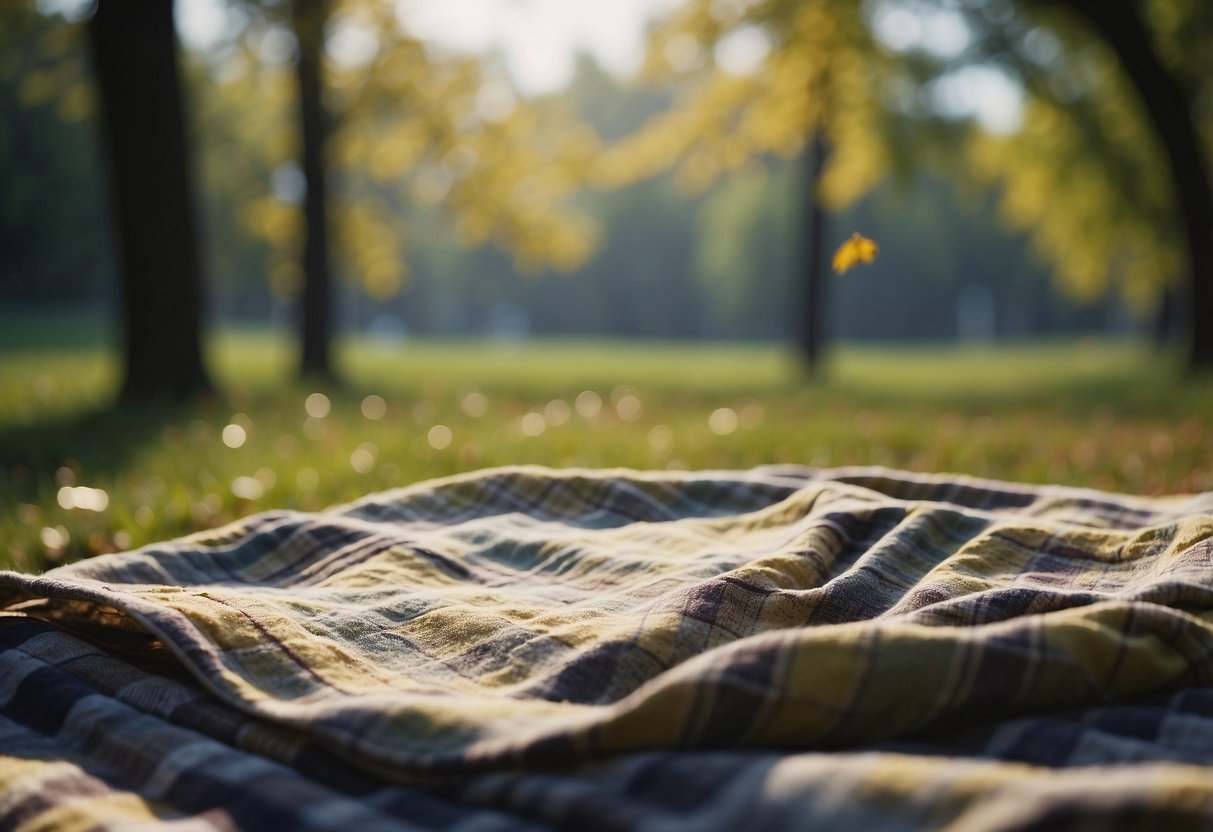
(496, 647)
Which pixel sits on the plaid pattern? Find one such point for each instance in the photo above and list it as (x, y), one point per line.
(779, 648)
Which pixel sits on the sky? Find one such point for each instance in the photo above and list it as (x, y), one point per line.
(539, 38)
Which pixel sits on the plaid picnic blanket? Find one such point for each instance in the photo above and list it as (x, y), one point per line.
(530, 648)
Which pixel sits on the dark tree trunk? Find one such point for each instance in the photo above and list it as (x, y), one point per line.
(134, 52)
(309, 18)
(811, 324)
(1164, 319)
(1170, 106)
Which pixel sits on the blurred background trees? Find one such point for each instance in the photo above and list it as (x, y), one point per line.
(53, 241)
(1106, 166)
(1110, 168)
(681, 203)
(762, 80)
(381, 114)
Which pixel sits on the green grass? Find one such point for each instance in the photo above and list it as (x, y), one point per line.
(1101, 415)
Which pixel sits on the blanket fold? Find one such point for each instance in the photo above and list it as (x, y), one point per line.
(439, 638)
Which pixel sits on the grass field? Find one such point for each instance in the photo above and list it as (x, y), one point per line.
(79, 478)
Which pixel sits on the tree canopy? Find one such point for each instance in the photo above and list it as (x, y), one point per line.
(48, 165)
(388, 119)
(1111, 181)
(758, 79)
(430, 148)
(1110, 168)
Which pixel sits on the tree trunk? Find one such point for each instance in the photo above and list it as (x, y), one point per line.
(1164, 319)
(134, 51)
(309, 18)
(811, 324)
(1169, 105)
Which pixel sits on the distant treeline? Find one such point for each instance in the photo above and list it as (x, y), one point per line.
(718, 265)
(723, 266)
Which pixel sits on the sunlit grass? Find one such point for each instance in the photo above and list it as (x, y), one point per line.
(78, 478)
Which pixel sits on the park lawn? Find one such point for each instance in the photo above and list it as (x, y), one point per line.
(78, 478)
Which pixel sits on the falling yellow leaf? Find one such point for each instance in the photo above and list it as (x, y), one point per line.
(858, 249)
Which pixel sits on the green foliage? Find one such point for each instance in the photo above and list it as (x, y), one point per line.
(722, 264)
(1086, 174)
(53, 230)
(1085, 414)
(241, 113)
(813, 67)
(718, 265)
(410, 124)
(745, 251)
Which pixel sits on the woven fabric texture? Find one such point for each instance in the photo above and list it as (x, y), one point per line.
(528, 648)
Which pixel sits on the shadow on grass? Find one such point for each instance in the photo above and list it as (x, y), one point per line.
(101, 440)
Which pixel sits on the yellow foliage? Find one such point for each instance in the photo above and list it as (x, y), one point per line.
(37, 88)
(372, 243)
(1084, 175)
(53, 73)
(473, 228)
(286, 276)
(394, 156)
(414, 123)
(1089, 182)
(821, 75)
(383, 277)
(276, 222)
(409, 125)
(857, 249)
(76, 102)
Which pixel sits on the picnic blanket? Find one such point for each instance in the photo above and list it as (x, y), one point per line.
(521, 648)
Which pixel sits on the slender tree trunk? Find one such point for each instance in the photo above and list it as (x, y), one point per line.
(1169, 105)
(811, 323)
(309, 18)
(1164, 319)
(134, 51)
